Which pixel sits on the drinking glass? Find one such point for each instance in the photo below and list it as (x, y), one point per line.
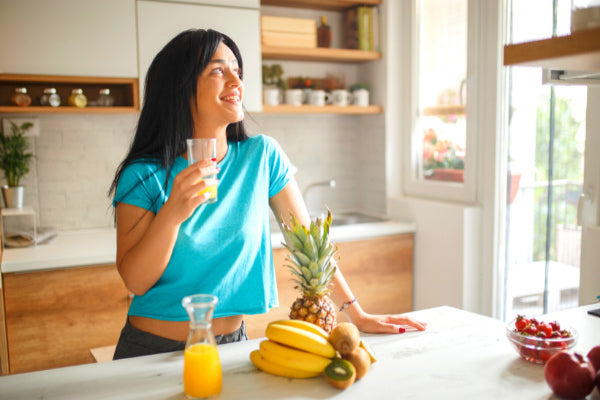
(203, 149)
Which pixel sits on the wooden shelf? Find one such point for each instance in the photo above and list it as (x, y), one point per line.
(443, 110)
(319, 54)
(336, 5)
(309, 109)
(124, 91)
(579, 51)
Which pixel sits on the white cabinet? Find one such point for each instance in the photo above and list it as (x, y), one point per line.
(68, 37)
(159, 22)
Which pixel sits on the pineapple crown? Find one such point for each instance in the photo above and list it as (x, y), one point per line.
(311, 254)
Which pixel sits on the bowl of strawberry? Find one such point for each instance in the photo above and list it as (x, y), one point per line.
(536, 341)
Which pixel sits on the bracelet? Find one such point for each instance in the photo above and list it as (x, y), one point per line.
(348, 303)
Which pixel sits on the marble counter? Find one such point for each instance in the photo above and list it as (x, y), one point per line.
(461, 356)
(98, 246)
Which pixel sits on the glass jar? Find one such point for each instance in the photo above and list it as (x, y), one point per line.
(105, 99)
(21, 98)
(77, 98)
(50, 98)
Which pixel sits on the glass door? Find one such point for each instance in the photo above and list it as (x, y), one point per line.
(547, 164)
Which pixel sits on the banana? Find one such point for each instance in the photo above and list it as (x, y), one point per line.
(307, 326)
(292, 358)
(300, 339)
(279, 370)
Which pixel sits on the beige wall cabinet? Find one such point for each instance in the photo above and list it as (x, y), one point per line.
(159, 22)
(379, 271)
(53, 318)
(68, 37)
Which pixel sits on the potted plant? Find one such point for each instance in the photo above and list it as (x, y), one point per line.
(442, 159)
(273, 84)
(14, 162)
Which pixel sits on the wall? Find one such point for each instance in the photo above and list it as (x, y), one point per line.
(77, 155)
(75, 160)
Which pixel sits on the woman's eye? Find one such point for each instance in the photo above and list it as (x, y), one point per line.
(217, 70)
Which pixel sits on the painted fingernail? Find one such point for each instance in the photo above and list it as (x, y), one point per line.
(213, 159)
(218, 168)
(401, 330)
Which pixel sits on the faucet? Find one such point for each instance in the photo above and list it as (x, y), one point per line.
(331, 183)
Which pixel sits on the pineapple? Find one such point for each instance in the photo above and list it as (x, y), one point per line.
(311, 256)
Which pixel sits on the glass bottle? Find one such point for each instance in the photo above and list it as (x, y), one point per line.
(105, 99)
(324, 33)
(77, 98)
(50, 98)
(202, 376)
(21, 98)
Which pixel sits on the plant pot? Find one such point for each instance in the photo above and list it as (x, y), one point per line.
(514, 178)
(13, 196)
(447, 174)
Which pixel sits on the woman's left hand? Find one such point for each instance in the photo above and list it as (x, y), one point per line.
(370, 323)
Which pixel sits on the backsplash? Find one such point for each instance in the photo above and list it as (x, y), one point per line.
(77, 155)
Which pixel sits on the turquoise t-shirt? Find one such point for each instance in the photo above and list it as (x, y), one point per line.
(224, 248)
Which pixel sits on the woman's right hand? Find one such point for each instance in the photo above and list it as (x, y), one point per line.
(185, 194)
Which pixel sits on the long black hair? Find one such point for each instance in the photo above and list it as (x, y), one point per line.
(170, 90)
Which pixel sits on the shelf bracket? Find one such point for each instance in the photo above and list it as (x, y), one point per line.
(562, 77)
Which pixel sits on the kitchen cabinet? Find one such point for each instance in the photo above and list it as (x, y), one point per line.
(379, 272)
(124, 91)
(53, 318)
(68, 37)
(335, 55)
(159, 22)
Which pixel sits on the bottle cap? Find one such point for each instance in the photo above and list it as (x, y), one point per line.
(323, 19)
(20, 90)
(105, 91)
(50, 90)
(77, 91)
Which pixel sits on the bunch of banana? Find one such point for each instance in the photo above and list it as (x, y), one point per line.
(294, 349)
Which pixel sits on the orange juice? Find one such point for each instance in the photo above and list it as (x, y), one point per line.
(212, 190)
(201, 371)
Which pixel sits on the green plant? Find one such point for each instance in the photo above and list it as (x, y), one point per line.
(441, 153)
(14, 158)
(358, 86)
(271, 75)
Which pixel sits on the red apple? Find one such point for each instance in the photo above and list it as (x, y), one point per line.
(570, 375)
(594, 356)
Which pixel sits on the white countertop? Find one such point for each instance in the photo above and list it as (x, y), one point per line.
(98, 246)
(461, 356)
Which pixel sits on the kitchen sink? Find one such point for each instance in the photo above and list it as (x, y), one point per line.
(342, 219)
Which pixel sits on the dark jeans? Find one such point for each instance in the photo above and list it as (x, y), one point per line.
(134, 342)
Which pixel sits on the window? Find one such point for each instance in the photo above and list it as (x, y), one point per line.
(546, 140)
(442, 163)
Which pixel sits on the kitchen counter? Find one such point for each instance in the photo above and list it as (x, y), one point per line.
(98, 246)
(461, 356)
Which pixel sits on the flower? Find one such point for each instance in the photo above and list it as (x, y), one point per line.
(441, 153)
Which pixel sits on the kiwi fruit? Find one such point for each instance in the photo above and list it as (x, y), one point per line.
(340, 373)
(345, 337)
(361, 361)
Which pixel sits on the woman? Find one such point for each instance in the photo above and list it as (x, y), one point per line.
(169, 243)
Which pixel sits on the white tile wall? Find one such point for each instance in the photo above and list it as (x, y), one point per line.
(77, 155)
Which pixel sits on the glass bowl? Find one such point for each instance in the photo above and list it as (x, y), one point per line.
(538, 349)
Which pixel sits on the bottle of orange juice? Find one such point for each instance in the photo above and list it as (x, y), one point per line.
(202, 376)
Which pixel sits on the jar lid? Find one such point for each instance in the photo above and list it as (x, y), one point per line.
(50, 90)
(105, 91)
(20, 90)
(77, 91)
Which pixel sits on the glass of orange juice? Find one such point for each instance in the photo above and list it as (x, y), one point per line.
(203, 149)
(202, 376)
